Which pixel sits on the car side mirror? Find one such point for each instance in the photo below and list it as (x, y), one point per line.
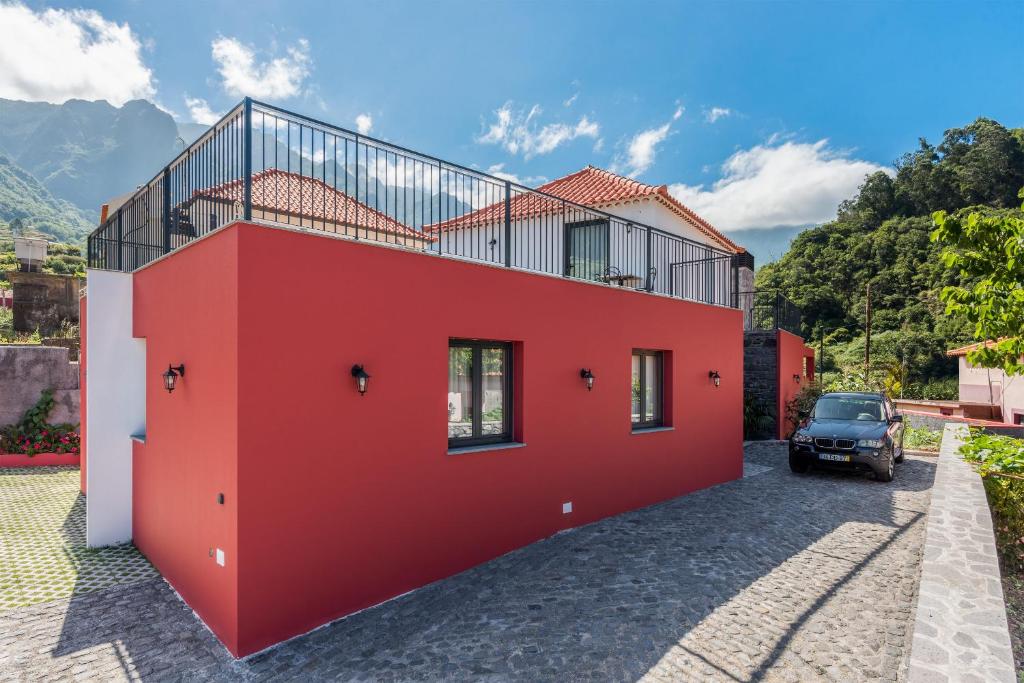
(897, 418)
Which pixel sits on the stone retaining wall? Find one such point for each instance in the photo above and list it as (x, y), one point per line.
(25, 370)
(761, 374)
(960, 630)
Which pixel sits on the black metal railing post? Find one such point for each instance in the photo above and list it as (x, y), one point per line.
(508, 224)
(120, 242)
(165, 209)
(247, 159)
(649, 283)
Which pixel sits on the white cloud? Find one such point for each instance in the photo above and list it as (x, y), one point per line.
(497, 171)
(55, 55)
(715, 113)
(643, 147)
(771, 185)
(572, 100)
(200, 111)
(364, 123)
(277, 78)
(517, 131)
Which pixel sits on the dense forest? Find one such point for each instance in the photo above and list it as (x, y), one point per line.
(881, 238)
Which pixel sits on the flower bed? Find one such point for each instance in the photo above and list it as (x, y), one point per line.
(33, 435)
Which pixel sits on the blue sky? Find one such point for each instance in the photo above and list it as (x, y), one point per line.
(757, 114)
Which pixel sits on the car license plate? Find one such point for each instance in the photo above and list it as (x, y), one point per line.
(835, 457)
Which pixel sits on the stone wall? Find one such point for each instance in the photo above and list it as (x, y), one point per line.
(42, 301)
(760, 373)
(960, 630)
(25, 371)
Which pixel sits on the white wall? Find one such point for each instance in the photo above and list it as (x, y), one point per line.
(1007, 392)
(539, 245)
(116, 406)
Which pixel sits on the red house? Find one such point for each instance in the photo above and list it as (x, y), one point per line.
(325, 370)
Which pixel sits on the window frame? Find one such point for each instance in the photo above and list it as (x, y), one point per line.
(658, 419)
(477, 438)
(568, 265)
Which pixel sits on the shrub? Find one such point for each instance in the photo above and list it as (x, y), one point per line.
(800, 406)
(33, 434)
(921, 439)
(1000, 461)
(757, 417)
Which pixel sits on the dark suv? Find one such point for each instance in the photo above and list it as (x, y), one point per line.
(852, 430)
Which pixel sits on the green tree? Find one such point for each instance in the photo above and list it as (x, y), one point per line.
(987, 249)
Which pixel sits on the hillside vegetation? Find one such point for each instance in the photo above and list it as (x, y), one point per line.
(881, 237)
(25, 202)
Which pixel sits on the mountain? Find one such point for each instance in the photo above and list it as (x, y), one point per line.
(766, 244)
(881, 238)
(25, 200)
(190, 132)
(87, 152)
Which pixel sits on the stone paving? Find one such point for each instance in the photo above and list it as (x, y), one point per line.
(772, 577)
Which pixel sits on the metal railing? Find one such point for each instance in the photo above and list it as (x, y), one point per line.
(262, 163)
(768, 310)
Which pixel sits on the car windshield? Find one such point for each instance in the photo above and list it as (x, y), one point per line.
(846, 408)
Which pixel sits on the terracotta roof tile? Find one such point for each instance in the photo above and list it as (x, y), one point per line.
(277, 191)
(591, 186)
(964, 350)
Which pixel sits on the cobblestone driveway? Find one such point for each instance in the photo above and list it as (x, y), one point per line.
(772, 577)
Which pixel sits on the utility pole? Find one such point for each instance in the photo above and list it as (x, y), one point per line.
(867, 337)
(820, 364)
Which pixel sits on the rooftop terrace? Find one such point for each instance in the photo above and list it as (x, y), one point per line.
(263, 164)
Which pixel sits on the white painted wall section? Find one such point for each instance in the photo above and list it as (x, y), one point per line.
(116, 399)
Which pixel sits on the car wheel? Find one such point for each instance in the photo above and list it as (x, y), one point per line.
(890, 469)
(899, 458)
(799, 465)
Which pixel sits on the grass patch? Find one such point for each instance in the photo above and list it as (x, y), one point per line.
(920, 439)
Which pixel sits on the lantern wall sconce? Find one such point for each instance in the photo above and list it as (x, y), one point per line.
(715, 377)
(362, 379)
(588, 377)
(796, 378)
(172, 375)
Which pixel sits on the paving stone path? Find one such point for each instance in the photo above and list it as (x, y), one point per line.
(772, 577)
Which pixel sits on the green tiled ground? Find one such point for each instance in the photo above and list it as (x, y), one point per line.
(42, 541)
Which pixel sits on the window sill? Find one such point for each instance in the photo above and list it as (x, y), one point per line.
(485, 447)
(649, 430)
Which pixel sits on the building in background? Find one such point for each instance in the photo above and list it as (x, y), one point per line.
(1000, 395)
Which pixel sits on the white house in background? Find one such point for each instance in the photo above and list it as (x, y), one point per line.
(990, 386)
(551, 235)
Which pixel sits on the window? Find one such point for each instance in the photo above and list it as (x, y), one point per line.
(647, 389)
(587, 244)
(479, 392)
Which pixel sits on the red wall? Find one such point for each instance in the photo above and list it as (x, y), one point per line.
(186, 308)
(82, 379)
(792, 352)
(345, 501)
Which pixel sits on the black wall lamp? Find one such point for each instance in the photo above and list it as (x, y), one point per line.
(172, 375)
(796, 378)
(588, 377)
(715, 377)
(362, 379)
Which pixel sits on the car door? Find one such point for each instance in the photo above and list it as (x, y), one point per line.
(896, 428)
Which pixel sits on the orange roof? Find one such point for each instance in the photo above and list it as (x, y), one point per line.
(964, 350)
(590, 186)
(277, 191)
